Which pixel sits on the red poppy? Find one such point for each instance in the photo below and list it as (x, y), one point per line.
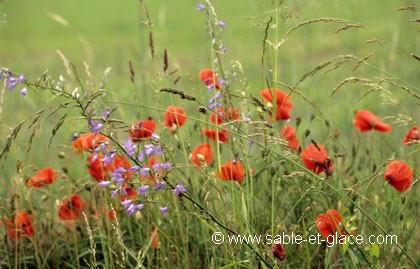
(154, 235)
(21, 225)
(412, 136)
(99, 171)
(174, 117)
(399, 175)
(209, 78)
(130, 193)
(328, 224)
(289, 133)
(202, 154)
(232, 170)
(71, 208)
(43, 177)
(283, 105)
(365, 120)
(88, 142)
(315, 158)
(217, 135)
(279, 251)
(142, 130)
(222, 115)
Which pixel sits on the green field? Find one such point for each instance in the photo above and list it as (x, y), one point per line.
(374, 43)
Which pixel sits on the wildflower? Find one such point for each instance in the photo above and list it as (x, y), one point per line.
(200, 6)
(129, 147)
(44, 177)
(221, 24)
(94, 126)
(179, 189)
(128, 193)
(88, 142)
(328, 224)
(217, 135)
(222, 115)
(142, 130)
(143, 190)
(289, 133)
(104, 184)
(99, 170)
(365, 120)
(399, 175)
(412, 136)
(24, 91)
(126, 203)
(72, 208)
(159, 185)
(174, 117)
(315, 158)
(164, 211)
(133, 208)
(209, 78)
(232, 170)
(21, 225)
(278, 251)
(282, 105)
(203, 154)
(154, 237)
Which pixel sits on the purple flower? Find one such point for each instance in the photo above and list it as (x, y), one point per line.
(24, 92)
(129, 147)
(179, 189)
(104, 184)
(159, 185)
(107, 160)
(221, 24)
(144, 171)
(133, 208)
(95, 127)
(155, 137)
(200, 6)
(74, 137)
(106, 113)
(114, 193)
(164, 211)
(159, 166)
(143, 190)
(126, 203)
(134, 169)
(140, 157)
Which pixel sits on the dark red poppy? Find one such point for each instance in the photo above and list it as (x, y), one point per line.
(217, 135)
(328, 224)
(174, 117)
(21, 225)
(280, 101)
(209, 78)
(399, 175)
(279, 251)
(223, 115)
(142, 130)
(232, 170)
(88, 142)
(315, 158)
(43, 177)
(202, 154)
(365, 120)
(289, 133)
(412, 137)
(130, 193)
(71, 208)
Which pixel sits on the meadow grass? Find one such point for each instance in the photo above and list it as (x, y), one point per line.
(332, 58)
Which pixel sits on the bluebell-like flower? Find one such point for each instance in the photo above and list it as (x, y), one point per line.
(143, 190)
(221, 24)
(126, 203)
(24, 92)
(133, 208)
(104, 184)
(144, 171)
(179, 189)
(164, 211)
(130, 148)
(159, 185)
(200, 6)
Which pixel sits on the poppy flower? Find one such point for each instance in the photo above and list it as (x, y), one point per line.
(88, 142)
(71, 208)
(217, 135)
(279, 251)
(365, 120)
(130, 193)
(209, 78)
(412, 136)
(289, 133)
(142, 130)
(232, 170)
(328, 224)
(222, 115)
(21, 225)
(99, 171)
(154, 235)
(399, 175)
(283, 105)
(174, 117)
(315, 158)
(43, 177)
(202, 154)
